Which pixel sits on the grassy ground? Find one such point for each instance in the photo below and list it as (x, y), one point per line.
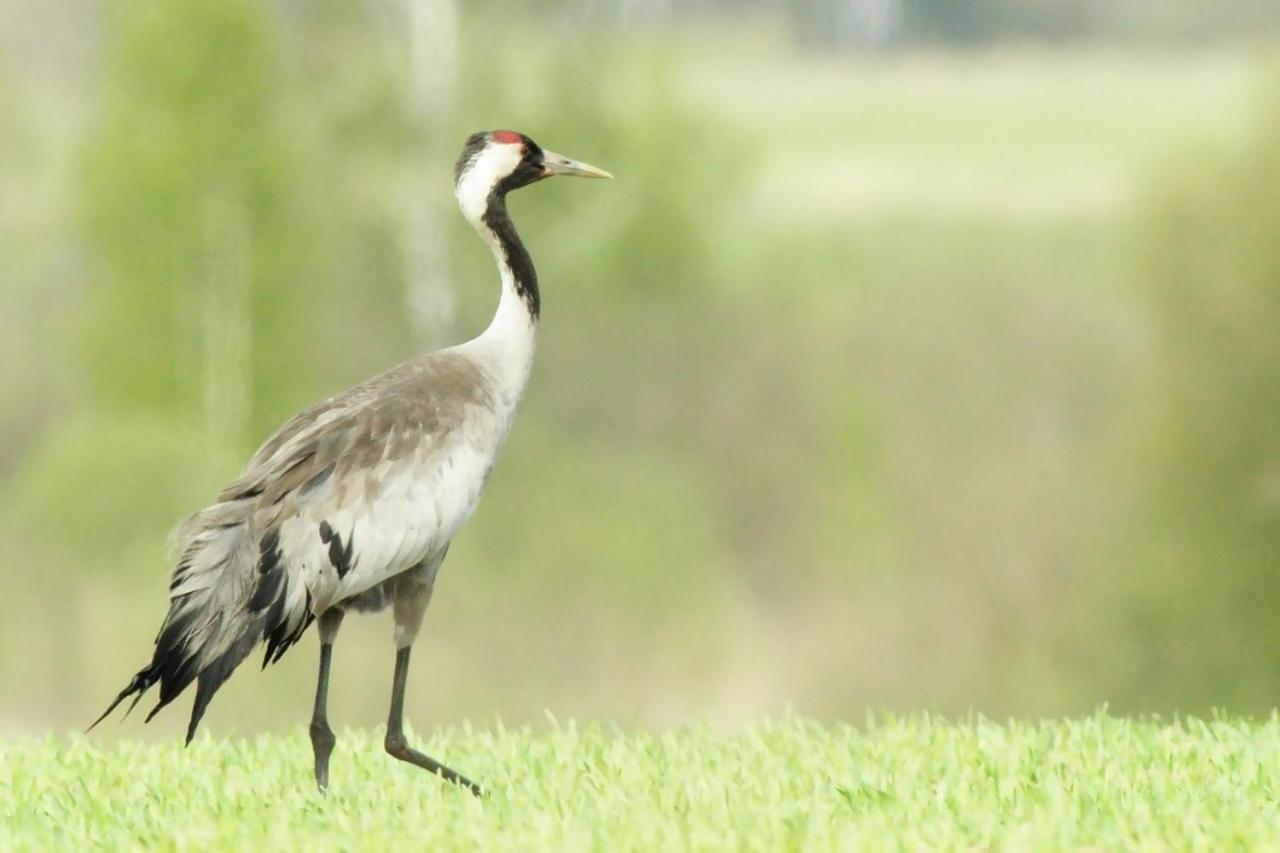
(918, 783)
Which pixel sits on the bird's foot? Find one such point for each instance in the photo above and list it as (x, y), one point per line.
(398, 748)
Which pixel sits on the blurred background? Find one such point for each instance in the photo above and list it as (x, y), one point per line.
(923, 355)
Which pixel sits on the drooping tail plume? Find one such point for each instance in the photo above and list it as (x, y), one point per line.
(230, 591)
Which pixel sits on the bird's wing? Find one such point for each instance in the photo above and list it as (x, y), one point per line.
(355, 491)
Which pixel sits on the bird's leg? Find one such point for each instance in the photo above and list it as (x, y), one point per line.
(412, 596)
(322, 739)
(399, 747)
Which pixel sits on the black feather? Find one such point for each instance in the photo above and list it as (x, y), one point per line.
(176, 660)
(215, 675)
(339, 557)
(270, 573)
(281, 638)
(136, 687)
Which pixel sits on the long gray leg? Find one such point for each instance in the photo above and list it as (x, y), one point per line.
(413, 594)
(322, 739)
(399, 747)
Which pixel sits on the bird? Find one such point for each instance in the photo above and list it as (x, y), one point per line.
(351, 505)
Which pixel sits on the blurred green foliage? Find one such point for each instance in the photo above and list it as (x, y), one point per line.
(186, 119)
(209, 161)
(1211, 269)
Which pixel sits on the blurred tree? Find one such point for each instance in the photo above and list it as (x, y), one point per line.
(227, 183)
(21, 397)
(242, 192)
(332, 309)
(1207, 606)
(178, 180)
(430, 33)
(987, 20)
(853, 24)
(847, 23)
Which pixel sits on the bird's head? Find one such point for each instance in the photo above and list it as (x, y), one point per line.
(495, 162)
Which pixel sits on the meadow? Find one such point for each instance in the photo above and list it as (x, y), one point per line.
(897, 783)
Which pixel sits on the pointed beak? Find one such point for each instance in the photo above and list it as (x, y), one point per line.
(558, 164)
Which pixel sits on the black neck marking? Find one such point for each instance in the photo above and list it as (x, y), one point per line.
(525, 276)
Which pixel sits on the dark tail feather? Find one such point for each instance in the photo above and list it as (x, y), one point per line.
(211, 629)
(176, 665)
(262, 617)
(173, 666)
(216, 673)
(287, 631)
(138, 685)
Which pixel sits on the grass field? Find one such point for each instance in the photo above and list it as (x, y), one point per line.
(917, 783)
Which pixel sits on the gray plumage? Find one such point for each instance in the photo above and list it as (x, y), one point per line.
(352, 503)
(232, 586)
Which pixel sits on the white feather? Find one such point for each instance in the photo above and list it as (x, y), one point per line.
(491, 165)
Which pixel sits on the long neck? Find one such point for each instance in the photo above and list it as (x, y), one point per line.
(514, 263)
(508, 342)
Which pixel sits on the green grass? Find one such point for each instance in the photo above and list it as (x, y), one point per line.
(918, 783)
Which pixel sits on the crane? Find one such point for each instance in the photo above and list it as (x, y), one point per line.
(352, 503)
